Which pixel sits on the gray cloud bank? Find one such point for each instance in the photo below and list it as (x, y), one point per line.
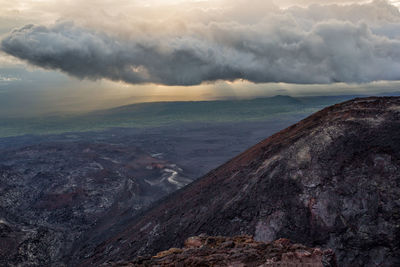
(306, 45)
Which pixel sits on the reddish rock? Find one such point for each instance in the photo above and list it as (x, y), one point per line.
(242, 251)
(193, 242)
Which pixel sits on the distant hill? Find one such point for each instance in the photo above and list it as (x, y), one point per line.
(169, 113)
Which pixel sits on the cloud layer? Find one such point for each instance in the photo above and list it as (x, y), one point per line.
(259, 42)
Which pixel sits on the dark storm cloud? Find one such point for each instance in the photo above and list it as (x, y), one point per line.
(292, 46)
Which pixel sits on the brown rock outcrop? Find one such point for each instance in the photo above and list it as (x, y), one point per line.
(237, 251)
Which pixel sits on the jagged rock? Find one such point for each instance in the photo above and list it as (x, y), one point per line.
(237, 251)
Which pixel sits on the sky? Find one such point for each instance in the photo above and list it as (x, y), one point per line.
(72, 56)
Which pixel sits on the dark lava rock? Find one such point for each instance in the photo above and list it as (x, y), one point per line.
(330, 181)
(242, 251)
(53, 194)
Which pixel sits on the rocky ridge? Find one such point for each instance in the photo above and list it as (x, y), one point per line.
(330, 181)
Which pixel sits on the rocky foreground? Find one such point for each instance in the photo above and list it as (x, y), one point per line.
(237, 251)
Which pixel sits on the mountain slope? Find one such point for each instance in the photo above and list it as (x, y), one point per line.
(332, 180)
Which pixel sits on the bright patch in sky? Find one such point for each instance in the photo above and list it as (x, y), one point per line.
(107, 53)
